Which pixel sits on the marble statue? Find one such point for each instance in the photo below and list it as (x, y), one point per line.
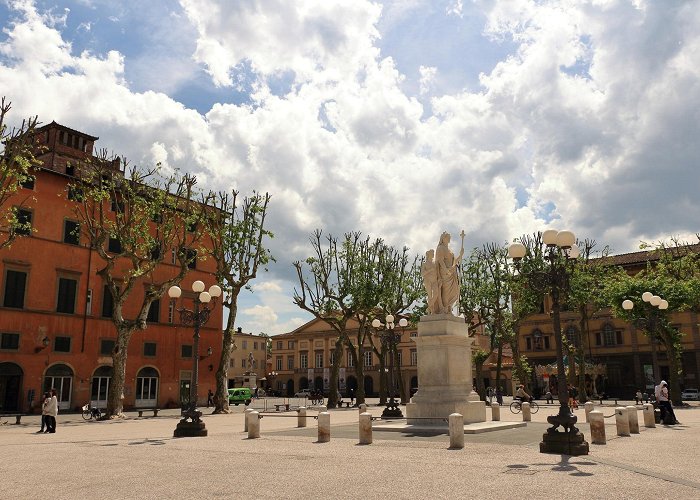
(440, 279)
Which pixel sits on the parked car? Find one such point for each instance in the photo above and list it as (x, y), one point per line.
(690, 394)
(304, 393)
(239, 395)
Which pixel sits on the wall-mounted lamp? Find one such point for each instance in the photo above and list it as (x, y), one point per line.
(44, 344)
(210, 351)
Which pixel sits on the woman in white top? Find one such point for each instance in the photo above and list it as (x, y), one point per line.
(665, 403)
(51, 409)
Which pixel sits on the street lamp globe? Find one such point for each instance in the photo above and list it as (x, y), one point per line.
(389, 318)
(403, 322)
(516, 251)
(663, 304)
(204, 297)
(376, 323)
(549, 237)
(565, 239)
(646, 296)
(574, 251)
(215, 291)
(655, 300)
(198, 286)
(627, 305)
(174, 292)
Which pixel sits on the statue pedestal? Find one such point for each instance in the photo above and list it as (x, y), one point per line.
(444, 373)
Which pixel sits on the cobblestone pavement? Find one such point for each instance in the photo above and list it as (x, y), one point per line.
(138, 458)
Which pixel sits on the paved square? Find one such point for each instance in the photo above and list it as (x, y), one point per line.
(139, 458)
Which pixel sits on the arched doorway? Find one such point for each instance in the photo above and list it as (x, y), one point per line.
(369, 386)
(60, 377)
(147, 388)
(10, 386)
(290, 388)
(303, 383)
(100, 386)
(318, 383)
(352, 385)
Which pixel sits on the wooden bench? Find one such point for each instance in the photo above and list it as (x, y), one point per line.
(18, 416)
(285, 405)
(346, 403)
(154, 410)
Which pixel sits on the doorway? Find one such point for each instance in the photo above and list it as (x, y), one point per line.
(10, 386)
(60, 377)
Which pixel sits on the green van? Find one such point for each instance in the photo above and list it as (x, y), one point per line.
(239, 395)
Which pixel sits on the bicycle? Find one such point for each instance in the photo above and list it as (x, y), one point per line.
(90, 412)
(516, 406)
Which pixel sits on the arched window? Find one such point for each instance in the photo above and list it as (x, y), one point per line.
(147, 387)
(100, 386)
(60, 377)
(572, 337)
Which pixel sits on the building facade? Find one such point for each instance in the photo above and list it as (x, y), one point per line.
(248, 364)
(618, 354)
(55, 312)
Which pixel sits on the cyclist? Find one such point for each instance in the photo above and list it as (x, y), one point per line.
(521, 395)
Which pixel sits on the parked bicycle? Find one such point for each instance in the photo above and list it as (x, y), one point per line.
(516, 406)
(90, 412)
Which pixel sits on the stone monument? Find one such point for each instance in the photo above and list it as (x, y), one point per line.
(444, 347)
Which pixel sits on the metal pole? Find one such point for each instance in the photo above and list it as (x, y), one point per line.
(195, 361)
(654, 354)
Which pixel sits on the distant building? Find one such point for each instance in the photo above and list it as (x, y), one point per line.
(55, 326)
(241, 372)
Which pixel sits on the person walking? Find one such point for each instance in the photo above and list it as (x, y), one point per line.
(499, 396)
(638, 397)
(548, 396)
(352, 397)
(44, 403)
(210, 398)
(51, 412)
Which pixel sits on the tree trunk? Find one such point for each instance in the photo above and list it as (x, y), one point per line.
(335, 371)
(115, 396)
(480, 386)
(674, 367)
(359, 371)
(383, 384)
(402, 387)
(499, 363)
(581, 353)
(221, 394)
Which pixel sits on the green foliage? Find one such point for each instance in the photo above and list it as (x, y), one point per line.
(17, 166)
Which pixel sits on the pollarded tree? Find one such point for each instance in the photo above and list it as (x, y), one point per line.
(238, 247)
(329, 291)
(17, 166)
(132, 222)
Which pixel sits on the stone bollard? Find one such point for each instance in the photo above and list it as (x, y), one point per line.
(301, 417)
(633, 419)
(245, 418)
(253, 424)
(527, 416)
(365, 428)
(648, 413)
(588, 407)
(322, 409)
(495, 412)
(597, 422)
(456, 425)
(324, 427)
(622, 421)
(362, 408)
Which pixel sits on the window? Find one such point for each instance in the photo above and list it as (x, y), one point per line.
(572, 335)
(192, 227)
(149, 349)
(67, 288)
(399, 358)
(107, 303)
(9, 341)
(75, 193)
(610, 336)
(186, 351)
(71, 232)
(303, 360)
(171, 311)
(537, 339)
(278, 363)
(279, 345)
(546, 341)
(319, 360)
(154, 312)
(191, 257)
(414, 357)
(114, 245)
(24, 222)
(243, 363)
(255, 346)
(88, 302)
(106, 347)
(28, 182)
(15, 282)
(528, 343)
(290, 344)
(351, 360)
(117, 206)
(368, 358)
(70, 169)
(245, 344)
(290, 362)
(413, 334)
(61, 344)
(156, 252)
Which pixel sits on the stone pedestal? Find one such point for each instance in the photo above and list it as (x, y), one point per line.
(527, 415)
(633, 419)
(301, 417)
(365, 428)
(444, 373)
(622, 421)
(595, 418)
(324, 427)
(567, 443)
(456, 427)
(495, 412)
(588, 408)
(648, 413)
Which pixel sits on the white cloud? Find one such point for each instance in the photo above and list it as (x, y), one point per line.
(593, 116)
(427, 77)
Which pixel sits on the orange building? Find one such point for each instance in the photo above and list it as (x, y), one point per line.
(55, 313)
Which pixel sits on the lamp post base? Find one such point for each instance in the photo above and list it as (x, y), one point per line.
(392, 410)
(190, 429)
(570, 441)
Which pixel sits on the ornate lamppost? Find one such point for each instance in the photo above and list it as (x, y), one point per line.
(649, 323)
(390, 338)
(560, 254)
(196, 318)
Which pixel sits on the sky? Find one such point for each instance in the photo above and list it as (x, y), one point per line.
(397, 118)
